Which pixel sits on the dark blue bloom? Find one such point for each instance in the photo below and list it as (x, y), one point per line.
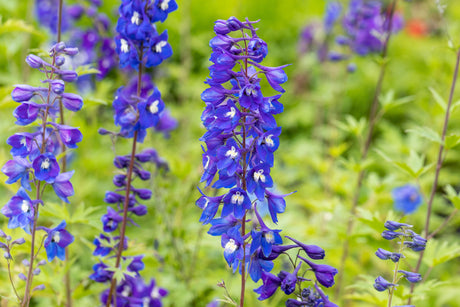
(21, 143)
(101, 274)
(406, 199)
(46, 167)
(289, 280)
(209, 205)
(102, 245)
(258, 179)
(158, 50)
(57, 240)
(313, 251)
(385, 255)
(222, 225)
(20, 209)
(391, 225)
(381, 284)
(228, 158)
(324, 273)
(411, 277)
(271, 283)
(390, 235)
(62, 186)
(69, 135)
(150, 110)
(232, 242)
(236, 201)
(111, 220)
(18, 169)
(265, 238)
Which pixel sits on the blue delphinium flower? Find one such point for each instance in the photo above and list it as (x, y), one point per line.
(407, 198)
(407, 239)
(35, 155)
(57, 240)
(137, 108)
(242, 136)
(95, 41)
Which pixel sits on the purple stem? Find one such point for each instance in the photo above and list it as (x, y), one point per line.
(438, 170)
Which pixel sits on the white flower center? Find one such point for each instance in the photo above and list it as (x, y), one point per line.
(56, 237)
(159, 46)
(136, 18)
(124, 46)
(23, 141)
(269, 237)
(269, 141)
(155, 293)
(207, 162)
(164, 5)
(153, 108)
(231, 246)
(25, 206)
(126, 291)
(206, 204)
(231, 113)
(146, 302)
(259, 175)
(45, 164)
(232, 153)
(237, 198)
(110, 223)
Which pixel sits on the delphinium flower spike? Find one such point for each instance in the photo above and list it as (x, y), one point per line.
(407, 239)
(34, 153)
(242, 136)
(137, 108)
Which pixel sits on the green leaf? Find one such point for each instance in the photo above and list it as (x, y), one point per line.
(352, 125)
(389, 102)
(439, 100)
(426, 133)
(438, 252)
(452, 140)
(86, 70)
(453, 196)
(15, 25)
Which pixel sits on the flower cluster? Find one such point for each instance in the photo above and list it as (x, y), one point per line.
(137, 108)
(95, 42)
(35, 163)
(365, 25)
(408, 239)
(406, 198)
(138, 39)
(242, 136)
(34, 153)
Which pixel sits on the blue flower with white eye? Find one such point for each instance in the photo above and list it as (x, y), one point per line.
(57, 240)
(259, 179)
(46, 167)
(228, 157)
(20, 210)
(236, 201)
(232, 242)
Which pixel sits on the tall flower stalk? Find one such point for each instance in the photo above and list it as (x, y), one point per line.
(440, 160)
(34, 156)
(242, 136)
(372, 122)
(137, 107)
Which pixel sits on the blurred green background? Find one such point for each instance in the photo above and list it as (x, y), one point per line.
(317, 157)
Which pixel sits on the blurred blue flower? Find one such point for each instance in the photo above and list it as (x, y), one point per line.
(407, 198)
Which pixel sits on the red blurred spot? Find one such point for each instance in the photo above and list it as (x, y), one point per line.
(417, 28)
